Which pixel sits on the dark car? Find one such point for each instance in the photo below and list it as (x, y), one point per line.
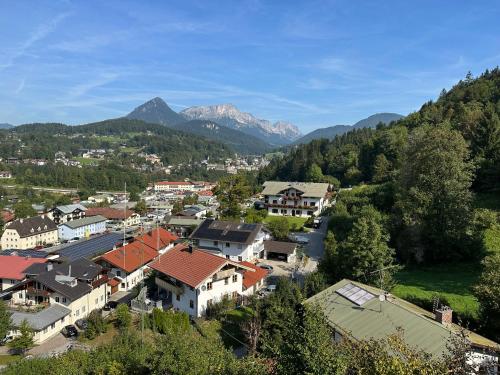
(82, 324)
(267, 267)
(69, 331)
(110, 305)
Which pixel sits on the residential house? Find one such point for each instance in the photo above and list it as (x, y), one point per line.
(252, 280)
(196, 279)
(196, 211)
(126, 265)
(304, 199)
(114, 216)
(12, 269)
(63, 214)
(28, 233)
(55, 295)
(101, 198)
(182, 226)
(174, 186)
(91, 248)
(234, 241)
(364, 312)
(285, 251)
(84, 227)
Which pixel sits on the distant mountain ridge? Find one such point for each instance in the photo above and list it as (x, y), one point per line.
(332, 131)
(241, 143)
(278, 133)
(5, 125)
(156, 111)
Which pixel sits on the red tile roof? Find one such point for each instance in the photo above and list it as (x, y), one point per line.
(130, 257)
(7, 216)
(251, 278)
(113, 282)
(205, 193)
(191, 268)
(109, 213)
(156, 237)
(13, 266)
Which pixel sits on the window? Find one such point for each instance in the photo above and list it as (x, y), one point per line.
(298, 212)
(226, 281)
(228, 244)
(57, 299)
(216, 243)
(178, 297)
(83, 309)
(118, 273)
(235, 278)
(53, 325)
(77, 312)
(209, 285)
(64, 299)
(191, 303)
(209, 302)
(20, 295)
(275, 210)
(96, 301)
(12, 282)
(123, 285)
(313, 204)
(235, 295)
(310, 213)
(228, 257)
(275, 201)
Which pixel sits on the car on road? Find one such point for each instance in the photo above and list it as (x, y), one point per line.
(299, 239)
(267, 267)
(267, 290)
(110, 305)
(317, 222)
(69, 331)
(82, 324)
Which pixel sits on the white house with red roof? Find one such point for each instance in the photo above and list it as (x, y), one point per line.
(252, 280)
(195, 279)
(12, 269)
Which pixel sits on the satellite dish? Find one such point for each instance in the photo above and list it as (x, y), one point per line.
(381, 297)
(203, 287)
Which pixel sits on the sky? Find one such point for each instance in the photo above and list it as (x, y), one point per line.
(312, 63)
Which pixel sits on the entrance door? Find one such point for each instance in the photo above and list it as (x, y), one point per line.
(293, 212)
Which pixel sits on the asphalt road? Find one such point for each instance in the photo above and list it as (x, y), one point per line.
(315, 248)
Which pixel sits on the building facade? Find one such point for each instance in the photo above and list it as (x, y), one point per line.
(29, 233)
(303, 199)
(161, 186)
(69, 212)
(234, 241)
(81, 228)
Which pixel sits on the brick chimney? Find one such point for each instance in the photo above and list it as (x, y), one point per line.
(444, 315)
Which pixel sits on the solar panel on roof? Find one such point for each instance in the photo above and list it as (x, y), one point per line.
(355, 294)
(92, 247)
(25, 253)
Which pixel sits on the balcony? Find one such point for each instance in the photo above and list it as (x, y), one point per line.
(223, 274)
(279, 205)
(37, 292)
(168, 285)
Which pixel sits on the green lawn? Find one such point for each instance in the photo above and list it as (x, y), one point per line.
(6, 358)
(231, 333)
(293, 221)
(87, 161)
(452, 283)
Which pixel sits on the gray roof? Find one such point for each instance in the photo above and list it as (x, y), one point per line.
(309, 189)
(377, 319)
(73, 224)
(179, 220)
(226, 231)
(32, 226)
(69, 208)
(41, 319)
(280, 247)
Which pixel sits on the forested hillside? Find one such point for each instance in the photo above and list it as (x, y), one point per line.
(431, 200)
(173, 146)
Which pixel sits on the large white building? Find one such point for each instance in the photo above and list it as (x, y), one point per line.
(63, 214)
(196, 279)
(303, 199)
(234, 241)
(84, 227)
(29, 233)
(174, 186)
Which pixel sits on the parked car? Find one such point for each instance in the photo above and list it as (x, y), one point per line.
(69, 331)
(267, 290)
(82, 324)
(110, 305)
(317, 222)
(267, 267)
(6, 340)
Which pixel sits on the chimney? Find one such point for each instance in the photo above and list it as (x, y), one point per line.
(444, 315)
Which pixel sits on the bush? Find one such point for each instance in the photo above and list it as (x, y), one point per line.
(96, 325)
(168, 322)
(123, 316)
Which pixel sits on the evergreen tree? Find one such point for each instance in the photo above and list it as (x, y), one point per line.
(5, 319)
(24, 341)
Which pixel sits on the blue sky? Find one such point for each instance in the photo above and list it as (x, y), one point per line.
(312, 63)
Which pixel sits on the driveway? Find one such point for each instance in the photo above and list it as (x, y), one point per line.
(315, 248)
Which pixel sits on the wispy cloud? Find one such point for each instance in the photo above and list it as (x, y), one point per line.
(83, 88)
(40, 33)
(89, 43)
(20, 87)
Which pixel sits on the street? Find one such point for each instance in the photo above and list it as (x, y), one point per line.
(315, 248)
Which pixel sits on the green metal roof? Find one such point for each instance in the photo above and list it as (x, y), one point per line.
(377, 319)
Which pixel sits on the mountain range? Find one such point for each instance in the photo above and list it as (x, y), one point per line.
(156, 111)
(6, 125)
(332, 131)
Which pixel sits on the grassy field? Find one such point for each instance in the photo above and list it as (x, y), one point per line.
(452, 283)
(6, 358)
(88, 161)
(293, 221)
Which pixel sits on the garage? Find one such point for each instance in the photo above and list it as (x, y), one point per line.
(278, 250)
